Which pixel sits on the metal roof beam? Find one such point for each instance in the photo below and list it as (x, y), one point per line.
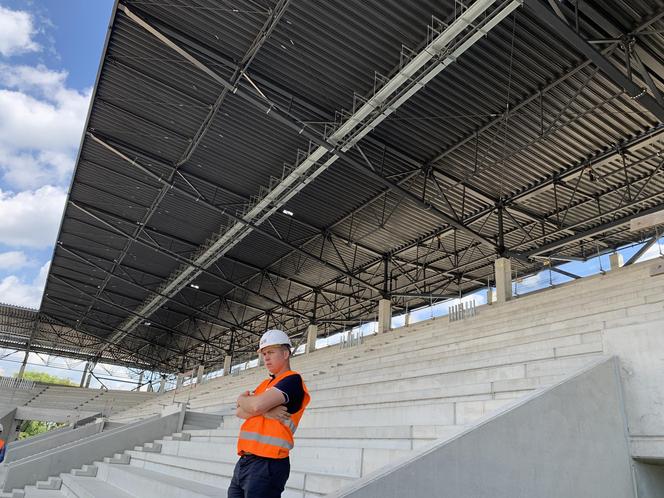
(602, 227)
(389, 98)
(212, 318)
(84, 208)
(549, 18)
(649, 243)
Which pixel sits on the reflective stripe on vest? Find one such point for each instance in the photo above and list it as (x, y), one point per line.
(268, 437)
(271, 440)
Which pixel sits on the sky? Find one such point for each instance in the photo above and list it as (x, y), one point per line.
(49, 55)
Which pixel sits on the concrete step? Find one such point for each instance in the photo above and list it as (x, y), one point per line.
(344, 462)
(17, 493)
(90, 487)
(33, 492)
(85, 471)
(51, 484)
(145, 483)
(118, 459)
(399, 432)
(218, 473)
(455, 374)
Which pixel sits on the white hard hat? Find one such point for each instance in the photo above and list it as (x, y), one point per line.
(1, 428)
(274, 337)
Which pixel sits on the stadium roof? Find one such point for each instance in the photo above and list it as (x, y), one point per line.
(251, 164)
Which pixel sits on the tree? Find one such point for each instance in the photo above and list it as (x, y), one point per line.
(31, 428)
(46, 378)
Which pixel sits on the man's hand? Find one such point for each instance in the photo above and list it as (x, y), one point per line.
(278, 413)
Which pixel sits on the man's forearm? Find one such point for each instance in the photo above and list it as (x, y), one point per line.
(242, 413)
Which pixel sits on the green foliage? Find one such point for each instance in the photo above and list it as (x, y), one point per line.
(31, 428)
(46, 378)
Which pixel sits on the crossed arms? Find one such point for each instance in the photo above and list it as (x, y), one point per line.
(269, 404)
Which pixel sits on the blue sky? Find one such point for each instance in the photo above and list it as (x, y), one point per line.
(49, 54)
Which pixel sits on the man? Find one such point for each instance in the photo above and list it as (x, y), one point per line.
(272, 413)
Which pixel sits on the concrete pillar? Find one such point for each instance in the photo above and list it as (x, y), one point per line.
(616, 260)
(199, 376)
(179, 381)
(228, 363)
(406, 319)
(312, 335)
(260, 360)
(162, 385)
(140, 381)
(384, 315)
(489, 296)
(503, 267)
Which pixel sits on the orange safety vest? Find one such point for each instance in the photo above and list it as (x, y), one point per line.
(269, 438)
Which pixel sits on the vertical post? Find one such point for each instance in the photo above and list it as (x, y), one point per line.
(312, 335)
(312, 329)
(501, 231)
(616, 260)
(21, 371)
(199, 375)
(406, 320)
(503, 267)
(489, 296)
(85, 372)
(384, 315)
(162, 384)
(140, 381)
(179, 380)
(385, 304)
(228, 363)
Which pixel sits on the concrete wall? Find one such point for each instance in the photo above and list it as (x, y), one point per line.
(650, 480)
(31, 446)
(567, 441)
(74, 455)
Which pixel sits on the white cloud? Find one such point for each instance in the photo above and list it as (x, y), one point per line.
(16, 32)
(31, 218)
(16, 291)
(41, 127)
(13, 260)
(29, 170)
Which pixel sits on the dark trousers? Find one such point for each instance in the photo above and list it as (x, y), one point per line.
(258, 477)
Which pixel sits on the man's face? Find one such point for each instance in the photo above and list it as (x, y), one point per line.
(275, 358)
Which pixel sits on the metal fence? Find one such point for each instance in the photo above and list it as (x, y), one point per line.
(462, 310)
(13, 383)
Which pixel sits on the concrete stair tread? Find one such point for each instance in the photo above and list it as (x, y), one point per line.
(94, 487)
(32, 492)
(195, 487)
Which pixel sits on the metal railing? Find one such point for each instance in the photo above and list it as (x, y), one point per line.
(14, 383)
(351, 339)
(462, 311)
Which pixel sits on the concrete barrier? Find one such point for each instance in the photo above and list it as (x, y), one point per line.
(49, 440)
(85, 451)
(568, 440)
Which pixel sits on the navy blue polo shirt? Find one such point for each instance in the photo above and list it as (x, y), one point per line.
(293, 392)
